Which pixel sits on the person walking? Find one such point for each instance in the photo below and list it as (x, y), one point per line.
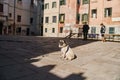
(102, 31)
(85, 30)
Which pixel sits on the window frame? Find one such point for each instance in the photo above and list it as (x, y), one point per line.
(19, 1)
(61, 29)
(78, 2)
(78, 17)
(46, 19)
(45, 30)
(93, 30)
(61, 19)
(85, 2)
(54, 4)
(113, 30)
(53, 30)
(94, 11)
(19, 17)
(54, 19)
(1, 7)
(85, 17)
(108, 12)
(10, 15)
(32, 2)
(62, 2)
(31, 20)
(46, 6)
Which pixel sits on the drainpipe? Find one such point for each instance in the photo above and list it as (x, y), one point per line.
(58, 18)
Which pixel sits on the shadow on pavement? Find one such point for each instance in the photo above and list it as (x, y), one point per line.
(43, 73)
(16, 54)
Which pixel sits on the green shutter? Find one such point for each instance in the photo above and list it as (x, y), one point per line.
(111, 30)
(85, 1)
(84, 17)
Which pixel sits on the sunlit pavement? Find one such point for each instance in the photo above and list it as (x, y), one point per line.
(38, 58)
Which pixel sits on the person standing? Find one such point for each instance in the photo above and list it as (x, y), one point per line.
(102, 31)
(85, 30)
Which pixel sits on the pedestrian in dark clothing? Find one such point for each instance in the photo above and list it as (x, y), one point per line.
(85, 30)
(102, 31)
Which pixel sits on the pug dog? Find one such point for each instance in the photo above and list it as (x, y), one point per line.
(67, 52)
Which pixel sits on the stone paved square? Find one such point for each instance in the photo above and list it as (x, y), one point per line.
(38, 58)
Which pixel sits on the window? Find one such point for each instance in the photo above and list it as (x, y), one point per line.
(84, 17)
(42, 0)
(78, 18)
(78, 1)
(93, 30)
(10, 14)
(19, 1)
(53, 30)
(1, 7)
(46, 19)
(31, 20)
(61, 29)
(54, 5)
(18, 18)
(108, 12)
(32, 2)
(94, 13)
(18, 30)
(85, 1)
(62, 18)
(111, 30)
(45, 30)
(42, 7)
(62, 2)
(41, 19)
(54, 19)
(47, 6)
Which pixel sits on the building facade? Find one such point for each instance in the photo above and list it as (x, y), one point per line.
(105, 13)
(51, 18)
(67, 16)
(57, 14)
(3, 17)
(75, 12)
(40, 13)
(18, 17)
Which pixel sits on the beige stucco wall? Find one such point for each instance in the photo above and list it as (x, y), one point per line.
(49, 13)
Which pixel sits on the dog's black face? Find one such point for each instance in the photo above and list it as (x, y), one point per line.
(62, 43)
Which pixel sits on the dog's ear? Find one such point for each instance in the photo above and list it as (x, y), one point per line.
(60, 43)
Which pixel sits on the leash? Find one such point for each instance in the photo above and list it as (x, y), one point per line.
(67, 50)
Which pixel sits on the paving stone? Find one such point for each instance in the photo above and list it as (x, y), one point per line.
(38, 58)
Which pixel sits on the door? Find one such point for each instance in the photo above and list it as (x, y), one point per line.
(1, 27)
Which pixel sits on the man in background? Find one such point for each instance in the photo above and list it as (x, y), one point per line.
(85, 30)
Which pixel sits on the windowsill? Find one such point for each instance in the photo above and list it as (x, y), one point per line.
(61, 21)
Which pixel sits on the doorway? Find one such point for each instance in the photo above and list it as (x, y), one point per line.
(1, 27)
